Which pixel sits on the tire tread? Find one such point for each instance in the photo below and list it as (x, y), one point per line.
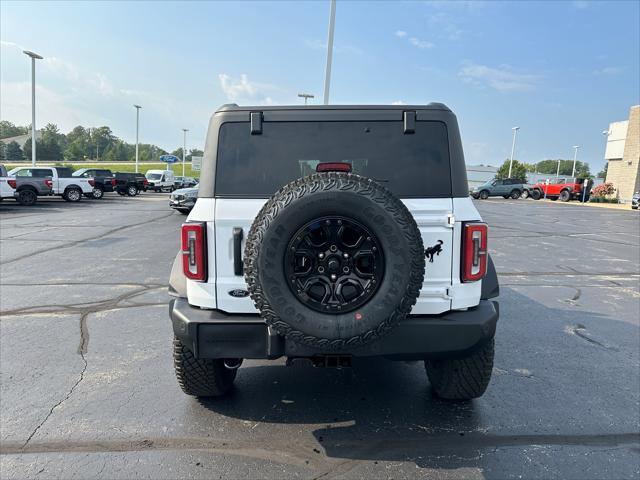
(462, 378)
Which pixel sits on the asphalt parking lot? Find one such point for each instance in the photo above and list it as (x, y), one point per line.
(87, 387)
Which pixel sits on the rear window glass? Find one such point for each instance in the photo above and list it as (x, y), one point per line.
(410, 165)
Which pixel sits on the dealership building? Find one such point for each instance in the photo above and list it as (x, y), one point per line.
(623, 155)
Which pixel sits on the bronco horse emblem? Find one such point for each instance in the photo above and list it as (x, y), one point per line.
(435, 250)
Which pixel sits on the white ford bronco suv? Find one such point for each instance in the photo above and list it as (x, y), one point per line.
(325, 233)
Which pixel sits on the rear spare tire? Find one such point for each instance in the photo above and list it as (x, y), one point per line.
(333, 261)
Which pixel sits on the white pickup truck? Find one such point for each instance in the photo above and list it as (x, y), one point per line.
(68, 187)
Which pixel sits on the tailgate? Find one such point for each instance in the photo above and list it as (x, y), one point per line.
(233, 219)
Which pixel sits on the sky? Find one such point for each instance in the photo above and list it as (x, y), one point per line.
(561, 71)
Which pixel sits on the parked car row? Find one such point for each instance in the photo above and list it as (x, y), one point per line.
(26, 184)
(564, 189)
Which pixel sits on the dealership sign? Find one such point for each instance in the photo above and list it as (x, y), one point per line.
(196, 163)
(169, 159)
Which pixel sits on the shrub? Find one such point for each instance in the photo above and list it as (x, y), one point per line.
(603, 190)
(603, 200)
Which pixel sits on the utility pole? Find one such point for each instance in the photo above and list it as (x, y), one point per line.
(513, 149)
(575, 156)
(327, 71)
(184, 148)
(34, 57)
(138, 107)
(306, 97)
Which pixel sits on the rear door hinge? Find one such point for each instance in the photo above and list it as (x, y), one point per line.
(451, 220)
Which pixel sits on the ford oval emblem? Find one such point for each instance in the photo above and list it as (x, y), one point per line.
(238, 293)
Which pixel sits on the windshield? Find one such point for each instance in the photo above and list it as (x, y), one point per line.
(410, 165)
(154, 176)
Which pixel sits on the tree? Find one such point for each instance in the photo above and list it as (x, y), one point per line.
(77, 144)
(195, 153)
(8, 129)
(603, 173)
(550, 167)
(12, 151)
(518, 171)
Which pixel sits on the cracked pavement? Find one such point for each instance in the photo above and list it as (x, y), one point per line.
(87, 387)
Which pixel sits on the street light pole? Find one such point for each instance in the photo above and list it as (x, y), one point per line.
(306, 97)
(138, 107)
(513, 148)
(327, 71)
(184, 148)
(34, 57)
(558, 171)
(575, 156)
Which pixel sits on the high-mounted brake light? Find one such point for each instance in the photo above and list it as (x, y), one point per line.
(474, 251)
(194, 258)
(333, 167)
(12, 183)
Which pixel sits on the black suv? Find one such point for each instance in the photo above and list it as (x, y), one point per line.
(104, 180)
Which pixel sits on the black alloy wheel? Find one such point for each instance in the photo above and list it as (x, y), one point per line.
(334, 264)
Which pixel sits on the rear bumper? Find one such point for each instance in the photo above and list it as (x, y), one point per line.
(215, 334)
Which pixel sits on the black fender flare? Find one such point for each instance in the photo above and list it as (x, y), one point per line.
(490, 286)
(177, 280)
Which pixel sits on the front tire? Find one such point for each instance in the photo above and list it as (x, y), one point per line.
(27, 197)
(462, 378)
(515, 194)
(132, 190)
(98, 193)
(200, 377)
(484, 195)
(72, 195)
(536, 194)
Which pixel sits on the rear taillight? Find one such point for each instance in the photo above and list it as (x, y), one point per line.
(194, 247)
(474, 251)
(48, 183)
(113, 182)
(92, 182)
(145, 182)
(12, 183)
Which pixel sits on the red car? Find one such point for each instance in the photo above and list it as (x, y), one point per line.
(564, 189)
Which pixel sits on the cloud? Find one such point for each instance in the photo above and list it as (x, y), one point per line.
(502, 78)
(5, 43)
(609, 71)
(398, 102)
(235, 89)
(416, 42)
(444, 26)
(245, 91)
(580, 4)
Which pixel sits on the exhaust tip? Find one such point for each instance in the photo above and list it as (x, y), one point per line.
(232, 363)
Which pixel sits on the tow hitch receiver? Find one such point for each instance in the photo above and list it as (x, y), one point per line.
(330, 361)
